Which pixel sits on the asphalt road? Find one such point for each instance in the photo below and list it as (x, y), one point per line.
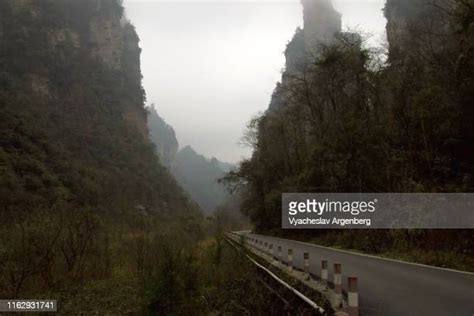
(389, 287)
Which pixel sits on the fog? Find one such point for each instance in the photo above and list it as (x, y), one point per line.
(209, 66)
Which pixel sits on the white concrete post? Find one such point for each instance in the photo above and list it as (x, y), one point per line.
(352, 297)
(280, 256)
(306, 265)
(337, 275)
(290, 260)
(324, 272)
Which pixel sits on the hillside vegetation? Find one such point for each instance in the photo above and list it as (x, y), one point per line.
(344, 120)
(89, 215)
(87, 211)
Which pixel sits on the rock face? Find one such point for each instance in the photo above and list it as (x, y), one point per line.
(73, 121)
(295, 59)
(106, 36)
(321, 22)
(114, 41)
(164, 138)
(400, 14)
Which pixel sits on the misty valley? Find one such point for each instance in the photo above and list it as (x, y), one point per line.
(108, 208)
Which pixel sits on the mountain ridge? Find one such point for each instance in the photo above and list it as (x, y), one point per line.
(198, 175)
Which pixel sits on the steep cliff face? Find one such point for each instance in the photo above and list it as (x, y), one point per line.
(295, 53)
(73, 122)
(321, 25)
(114, 41)
(81, 188)
(321, 22)
(164, 138)
(397, 13)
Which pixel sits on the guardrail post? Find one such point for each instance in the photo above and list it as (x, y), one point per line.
(337, 284)
(271, 251)
(265, 248)
(324, 272)
(290, 260)
(280, 256)
(306, 265)
(352, 297)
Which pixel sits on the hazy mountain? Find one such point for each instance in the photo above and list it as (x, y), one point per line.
(195, 173)
(198, 175)
(163, 136)
(225, 166)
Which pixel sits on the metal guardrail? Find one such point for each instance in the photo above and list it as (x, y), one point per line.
(349, 307)
(238, 238)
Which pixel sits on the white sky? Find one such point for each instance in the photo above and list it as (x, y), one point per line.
(209, 66)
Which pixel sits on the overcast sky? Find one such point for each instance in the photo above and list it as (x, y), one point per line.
(209, 66)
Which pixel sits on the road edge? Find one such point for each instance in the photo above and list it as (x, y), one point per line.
(372, 256)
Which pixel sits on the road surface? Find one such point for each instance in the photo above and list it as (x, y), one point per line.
(390, 287)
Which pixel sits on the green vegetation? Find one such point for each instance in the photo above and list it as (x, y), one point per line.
(229, 283)
(345, 121)
(89, 216)
(87, 211)
(299, 309)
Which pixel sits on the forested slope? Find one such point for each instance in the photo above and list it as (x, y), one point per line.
(343, 120)
(85, 203)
